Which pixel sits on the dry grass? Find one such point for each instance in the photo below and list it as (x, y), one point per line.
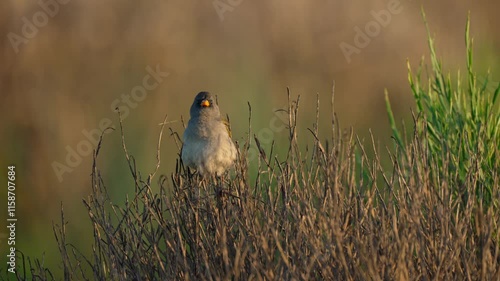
(330, 212)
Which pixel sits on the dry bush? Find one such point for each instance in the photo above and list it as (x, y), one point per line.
(326, 213)
(330, 211)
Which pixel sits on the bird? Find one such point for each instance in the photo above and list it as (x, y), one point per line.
(207, 144)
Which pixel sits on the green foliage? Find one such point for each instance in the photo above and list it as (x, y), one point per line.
(333, 213)
(330, 213)
(460, 121)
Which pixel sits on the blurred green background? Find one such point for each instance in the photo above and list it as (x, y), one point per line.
(64, 66)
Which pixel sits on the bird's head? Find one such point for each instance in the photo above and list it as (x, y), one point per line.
(204, 105)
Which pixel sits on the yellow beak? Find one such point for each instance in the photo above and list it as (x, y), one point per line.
(205, 103)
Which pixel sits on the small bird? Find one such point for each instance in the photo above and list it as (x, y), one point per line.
(207, 143)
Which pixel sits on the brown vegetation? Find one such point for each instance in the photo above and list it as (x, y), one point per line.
(327, 213)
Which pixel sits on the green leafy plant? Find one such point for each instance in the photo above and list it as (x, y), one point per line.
(460, 121)
(330, 213)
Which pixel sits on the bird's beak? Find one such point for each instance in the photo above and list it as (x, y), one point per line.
(205, 103)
